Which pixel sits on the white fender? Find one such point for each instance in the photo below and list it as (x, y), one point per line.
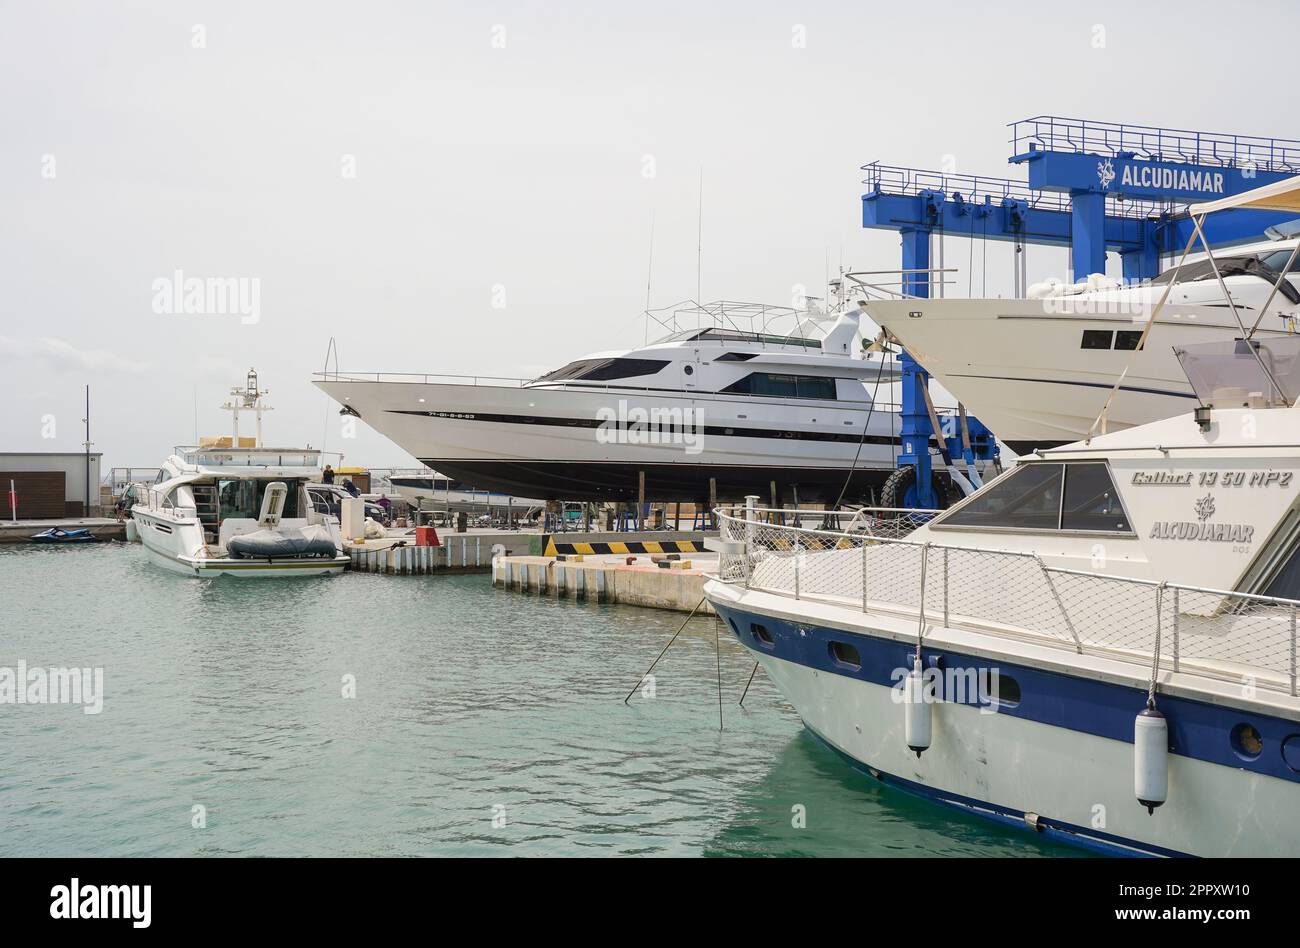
(1151, 758)
(916, 724)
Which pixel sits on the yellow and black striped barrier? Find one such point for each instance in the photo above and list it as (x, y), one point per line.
(551, 548)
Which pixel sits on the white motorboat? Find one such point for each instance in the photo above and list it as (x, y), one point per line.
(1037, 371)
(751, 409)
(1099, 646)
(1104, 638)
(235, 507)
(432, 489)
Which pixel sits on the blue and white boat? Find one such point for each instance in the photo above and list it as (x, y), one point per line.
(1099, 646)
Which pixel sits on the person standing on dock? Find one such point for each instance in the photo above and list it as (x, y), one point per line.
(327, 476)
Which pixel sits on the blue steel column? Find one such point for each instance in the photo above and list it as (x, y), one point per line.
(1087, 233)
(1143, 263)
(915, 427)
(916, 256)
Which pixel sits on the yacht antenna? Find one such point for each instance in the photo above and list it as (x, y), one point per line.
(649, 272)
(333, 350)
(699, 249)
(87, 445)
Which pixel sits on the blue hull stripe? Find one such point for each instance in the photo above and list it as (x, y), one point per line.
(1197, 730)
(1105, 843)
(1106, 385)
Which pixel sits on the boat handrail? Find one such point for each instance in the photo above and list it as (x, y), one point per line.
(568, 385)
(260, 457)
(877, 567)
(423, 378)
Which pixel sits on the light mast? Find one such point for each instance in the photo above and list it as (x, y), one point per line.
(248, 398)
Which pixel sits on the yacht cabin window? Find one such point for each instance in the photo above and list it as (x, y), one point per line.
(1285, 583)
(779, 385)
(242, 498)
(1126, 339)
(1041, 496)
(604, 370)
(1276, 260)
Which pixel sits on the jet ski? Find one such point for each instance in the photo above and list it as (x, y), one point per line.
(59, 535)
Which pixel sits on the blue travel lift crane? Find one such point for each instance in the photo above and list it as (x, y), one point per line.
(959, 438)
(1093, 187)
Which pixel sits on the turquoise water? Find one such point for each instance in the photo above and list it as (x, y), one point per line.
(484, 722)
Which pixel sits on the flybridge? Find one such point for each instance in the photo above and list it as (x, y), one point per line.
(1095, 187)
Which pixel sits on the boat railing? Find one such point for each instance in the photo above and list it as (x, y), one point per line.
(887, 378)
(418, 378)
(217, 456)
(873, 565)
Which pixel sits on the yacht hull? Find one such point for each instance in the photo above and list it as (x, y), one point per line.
(1020, 367)
(1059, 763)
(577, 445)
(420, 490)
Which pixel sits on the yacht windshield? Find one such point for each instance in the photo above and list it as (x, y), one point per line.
(1277, 260)
(1239, 373)
(1078, 495)
(604, 370)
(735, 335)
(1269, 267)
(718, 334)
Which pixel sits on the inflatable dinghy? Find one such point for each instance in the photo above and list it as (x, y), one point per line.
(281, 544)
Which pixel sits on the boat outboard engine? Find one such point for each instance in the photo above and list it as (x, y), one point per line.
(1151, 757)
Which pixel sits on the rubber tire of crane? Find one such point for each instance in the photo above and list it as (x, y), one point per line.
(893, 494)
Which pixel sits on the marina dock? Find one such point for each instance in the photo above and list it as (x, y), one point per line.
(399, 555)
(103, 528)
(649, 580)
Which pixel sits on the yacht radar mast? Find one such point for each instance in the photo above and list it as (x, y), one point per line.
(248, 398)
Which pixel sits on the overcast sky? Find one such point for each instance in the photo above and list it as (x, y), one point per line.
(387, 172)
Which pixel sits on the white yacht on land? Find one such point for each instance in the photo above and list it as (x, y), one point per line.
(434, 490)
(234, 507)
(1037, 371)
(747, 408)
(1100, 645)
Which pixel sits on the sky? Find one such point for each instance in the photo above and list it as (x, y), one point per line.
(472, 188)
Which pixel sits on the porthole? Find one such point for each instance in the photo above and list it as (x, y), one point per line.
(1004, 691)
(760, 633)
(1246, 742)
(1291, 752)
(846, 655)
(689, 370)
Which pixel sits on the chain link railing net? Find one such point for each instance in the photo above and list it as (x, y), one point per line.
(872, 566)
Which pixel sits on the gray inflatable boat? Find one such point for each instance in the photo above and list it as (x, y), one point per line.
(277, 544)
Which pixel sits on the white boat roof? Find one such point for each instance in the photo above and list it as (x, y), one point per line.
(1279, 196)
(1274, 429)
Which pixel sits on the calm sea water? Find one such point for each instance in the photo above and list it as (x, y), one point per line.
(485, 722)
